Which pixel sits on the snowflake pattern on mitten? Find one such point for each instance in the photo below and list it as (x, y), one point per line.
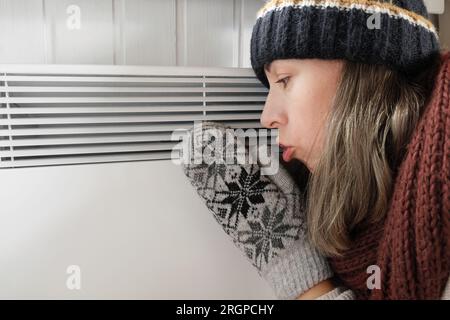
(262, 214)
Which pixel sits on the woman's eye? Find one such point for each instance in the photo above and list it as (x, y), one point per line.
(284, 80)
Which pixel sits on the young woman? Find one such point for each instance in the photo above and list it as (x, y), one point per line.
(359, 91)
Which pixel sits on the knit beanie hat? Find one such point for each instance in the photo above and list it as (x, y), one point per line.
(396, 33)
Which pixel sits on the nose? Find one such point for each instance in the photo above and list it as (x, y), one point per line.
(272, 116)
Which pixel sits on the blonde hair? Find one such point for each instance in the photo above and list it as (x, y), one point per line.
(374, 113)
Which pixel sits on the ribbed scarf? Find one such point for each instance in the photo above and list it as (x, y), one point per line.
(412, 245)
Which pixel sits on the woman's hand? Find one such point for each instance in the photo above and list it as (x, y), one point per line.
(263, 214)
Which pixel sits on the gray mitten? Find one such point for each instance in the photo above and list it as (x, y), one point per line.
(263, 214)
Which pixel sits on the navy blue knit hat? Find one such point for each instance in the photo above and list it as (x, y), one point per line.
(396, 33)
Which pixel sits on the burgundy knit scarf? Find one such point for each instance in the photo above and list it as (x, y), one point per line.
(412, 245)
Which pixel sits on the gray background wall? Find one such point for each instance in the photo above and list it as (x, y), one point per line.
(132, 32)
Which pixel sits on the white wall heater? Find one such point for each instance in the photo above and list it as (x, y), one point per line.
(76, 194)
(53, 115)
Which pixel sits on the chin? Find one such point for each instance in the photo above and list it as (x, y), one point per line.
(296, 158)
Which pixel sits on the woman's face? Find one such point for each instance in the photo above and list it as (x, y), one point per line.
(300, 97)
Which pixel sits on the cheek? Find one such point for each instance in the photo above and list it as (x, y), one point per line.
(307, 117)
(307, 131)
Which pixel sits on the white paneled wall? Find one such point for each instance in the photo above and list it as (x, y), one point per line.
(209, 30)
(131, 32)
(22, 32)
(145, 32)
(435, 6)
(89, 41)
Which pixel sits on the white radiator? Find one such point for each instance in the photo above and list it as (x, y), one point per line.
(53, 114)
(73, 196)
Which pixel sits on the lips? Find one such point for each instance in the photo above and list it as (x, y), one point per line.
(288, 152)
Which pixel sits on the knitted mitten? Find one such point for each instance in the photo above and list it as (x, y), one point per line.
(263, 214)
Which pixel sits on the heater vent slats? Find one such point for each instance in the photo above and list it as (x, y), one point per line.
(59, 115)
